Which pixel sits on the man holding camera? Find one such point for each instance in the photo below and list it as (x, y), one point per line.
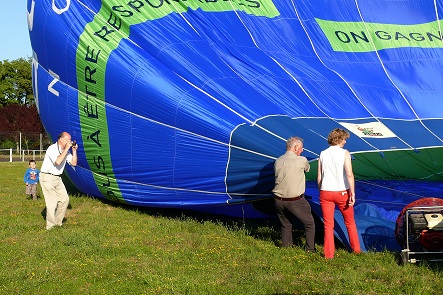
(54, 190)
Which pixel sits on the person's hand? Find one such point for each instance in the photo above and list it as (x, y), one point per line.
(351, 200)
(72, 144)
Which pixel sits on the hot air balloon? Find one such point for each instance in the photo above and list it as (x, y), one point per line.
(187, 103)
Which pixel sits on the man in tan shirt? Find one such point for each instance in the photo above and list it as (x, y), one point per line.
(290, 184)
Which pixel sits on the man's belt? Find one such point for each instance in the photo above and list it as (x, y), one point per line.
(49, 173)
(290, 199)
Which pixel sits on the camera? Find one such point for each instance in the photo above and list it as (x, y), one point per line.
(74, 143)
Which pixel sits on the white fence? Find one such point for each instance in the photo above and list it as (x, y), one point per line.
(39, 153)
(24, 154)
(10, 153)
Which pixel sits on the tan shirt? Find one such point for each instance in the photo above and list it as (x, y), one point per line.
(290, 180)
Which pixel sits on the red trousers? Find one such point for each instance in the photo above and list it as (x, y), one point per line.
(328, 201)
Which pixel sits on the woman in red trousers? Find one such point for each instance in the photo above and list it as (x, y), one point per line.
(336, 183)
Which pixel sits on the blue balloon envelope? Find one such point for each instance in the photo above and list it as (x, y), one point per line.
(187, 104)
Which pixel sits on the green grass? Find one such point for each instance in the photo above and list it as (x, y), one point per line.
(113, 249)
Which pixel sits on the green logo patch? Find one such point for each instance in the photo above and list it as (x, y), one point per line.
(367, 37)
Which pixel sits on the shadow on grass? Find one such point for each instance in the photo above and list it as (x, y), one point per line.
(267, 229)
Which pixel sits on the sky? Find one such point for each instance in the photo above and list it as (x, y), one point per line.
(14, 34)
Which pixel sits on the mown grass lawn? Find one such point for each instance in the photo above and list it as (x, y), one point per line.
(113, 249)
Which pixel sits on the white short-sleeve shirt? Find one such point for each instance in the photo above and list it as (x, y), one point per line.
(51, 155)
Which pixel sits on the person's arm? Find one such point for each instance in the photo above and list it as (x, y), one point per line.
(26, 177)
(307, 165)
(61, 157)
(64, 154)
(319, 175)
(350, 177)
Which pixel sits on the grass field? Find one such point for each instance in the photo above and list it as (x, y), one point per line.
(113, 249)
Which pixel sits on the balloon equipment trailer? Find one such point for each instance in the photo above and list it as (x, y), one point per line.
(424, 234)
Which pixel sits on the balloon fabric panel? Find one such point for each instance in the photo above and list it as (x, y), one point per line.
(187, 104)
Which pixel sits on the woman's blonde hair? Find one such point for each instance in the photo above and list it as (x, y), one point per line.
(337, 135)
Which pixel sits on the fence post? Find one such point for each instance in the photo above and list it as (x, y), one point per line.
(10, 154)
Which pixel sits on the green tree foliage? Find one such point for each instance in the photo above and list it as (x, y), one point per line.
(18, 112)
(17, 106)
(16, 82)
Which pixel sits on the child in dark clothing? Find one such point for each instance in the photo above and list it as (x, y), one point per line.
(31, 180)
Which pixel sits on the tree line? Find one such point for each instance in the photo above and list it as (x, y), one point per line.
(18, 112)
